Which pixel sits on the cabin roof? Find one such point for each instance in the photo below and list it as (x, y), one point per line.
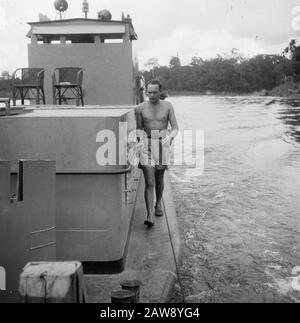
(82, 26)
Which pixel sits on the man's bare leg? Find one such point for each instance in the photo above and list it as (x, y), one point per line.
(149, 175)
(159, 187)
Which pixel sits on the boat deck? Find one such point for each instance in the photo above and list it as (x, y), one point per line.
(150, 256)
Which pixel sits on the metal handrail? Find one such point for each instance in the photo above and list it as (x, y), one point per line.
(117, 172)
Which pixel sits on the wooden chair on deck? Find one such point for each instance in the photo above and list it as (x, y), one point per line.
(67, 85)
(28, 83)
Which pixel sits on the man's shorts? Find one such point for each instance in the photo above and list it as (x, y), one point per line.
(155, 154)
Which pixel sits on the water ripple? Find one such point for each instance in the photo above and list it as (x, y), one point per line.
(240, 220)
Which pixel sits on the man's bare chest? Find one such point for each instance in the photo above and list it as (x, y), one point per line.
(150, 115)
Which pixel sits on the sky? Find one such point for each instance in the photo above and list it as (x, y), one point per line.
(166, 28)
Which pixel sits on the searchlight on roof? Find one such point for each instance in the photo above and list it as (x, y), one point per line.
(61, 6)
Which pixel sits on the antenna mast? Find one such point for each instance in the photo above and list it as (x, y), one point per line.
(85, 8)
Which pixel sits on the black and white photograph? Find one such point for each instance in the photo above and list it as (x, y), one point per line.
(149, 153)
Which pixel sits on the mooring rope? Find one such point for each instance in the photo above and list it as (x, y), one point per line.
(174, 255)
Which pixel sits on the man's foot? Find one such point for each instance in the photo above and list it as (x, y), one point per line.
(158, 210)
(149, 223)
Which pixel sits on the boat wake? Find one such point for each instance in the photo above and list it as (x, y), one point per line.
(289, 286)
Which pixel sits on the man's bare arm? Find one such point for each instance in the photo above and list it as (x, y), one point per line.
(173, 123)
(139, 123)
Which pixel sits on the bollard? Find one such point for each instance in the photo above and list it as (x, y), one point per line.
(133, 286)
(122, 296)
(52, 282)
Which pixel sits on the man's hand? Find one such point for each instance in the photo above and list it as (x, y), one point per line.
(139, 146)
(168, 141)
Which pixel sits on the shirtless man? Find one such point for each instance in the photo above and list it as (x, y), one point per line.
(153, 119)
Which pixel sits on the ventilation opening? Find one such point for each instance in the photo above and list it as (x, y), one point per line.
(113, 41)
(21, 182)
(16, 184)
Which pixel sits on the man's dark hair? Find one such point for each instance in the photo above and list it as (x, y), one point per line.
(155, 82)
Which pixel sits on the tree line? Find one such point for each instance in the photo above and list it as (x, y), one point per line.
(230, 73)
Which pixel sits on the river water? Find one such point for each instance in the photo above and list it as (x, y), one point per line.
(240, 219)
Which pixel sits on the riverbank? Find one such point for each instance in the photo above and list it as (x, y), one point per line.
(289, 89)
(175, 93)
(291, 98)
(292, 101)
(263, 93)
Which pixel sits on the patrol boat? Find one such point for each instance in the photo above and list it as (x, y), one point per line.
(65, 195)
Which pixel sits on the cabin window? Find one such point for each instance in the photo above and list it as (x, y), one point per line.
(81, 39)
